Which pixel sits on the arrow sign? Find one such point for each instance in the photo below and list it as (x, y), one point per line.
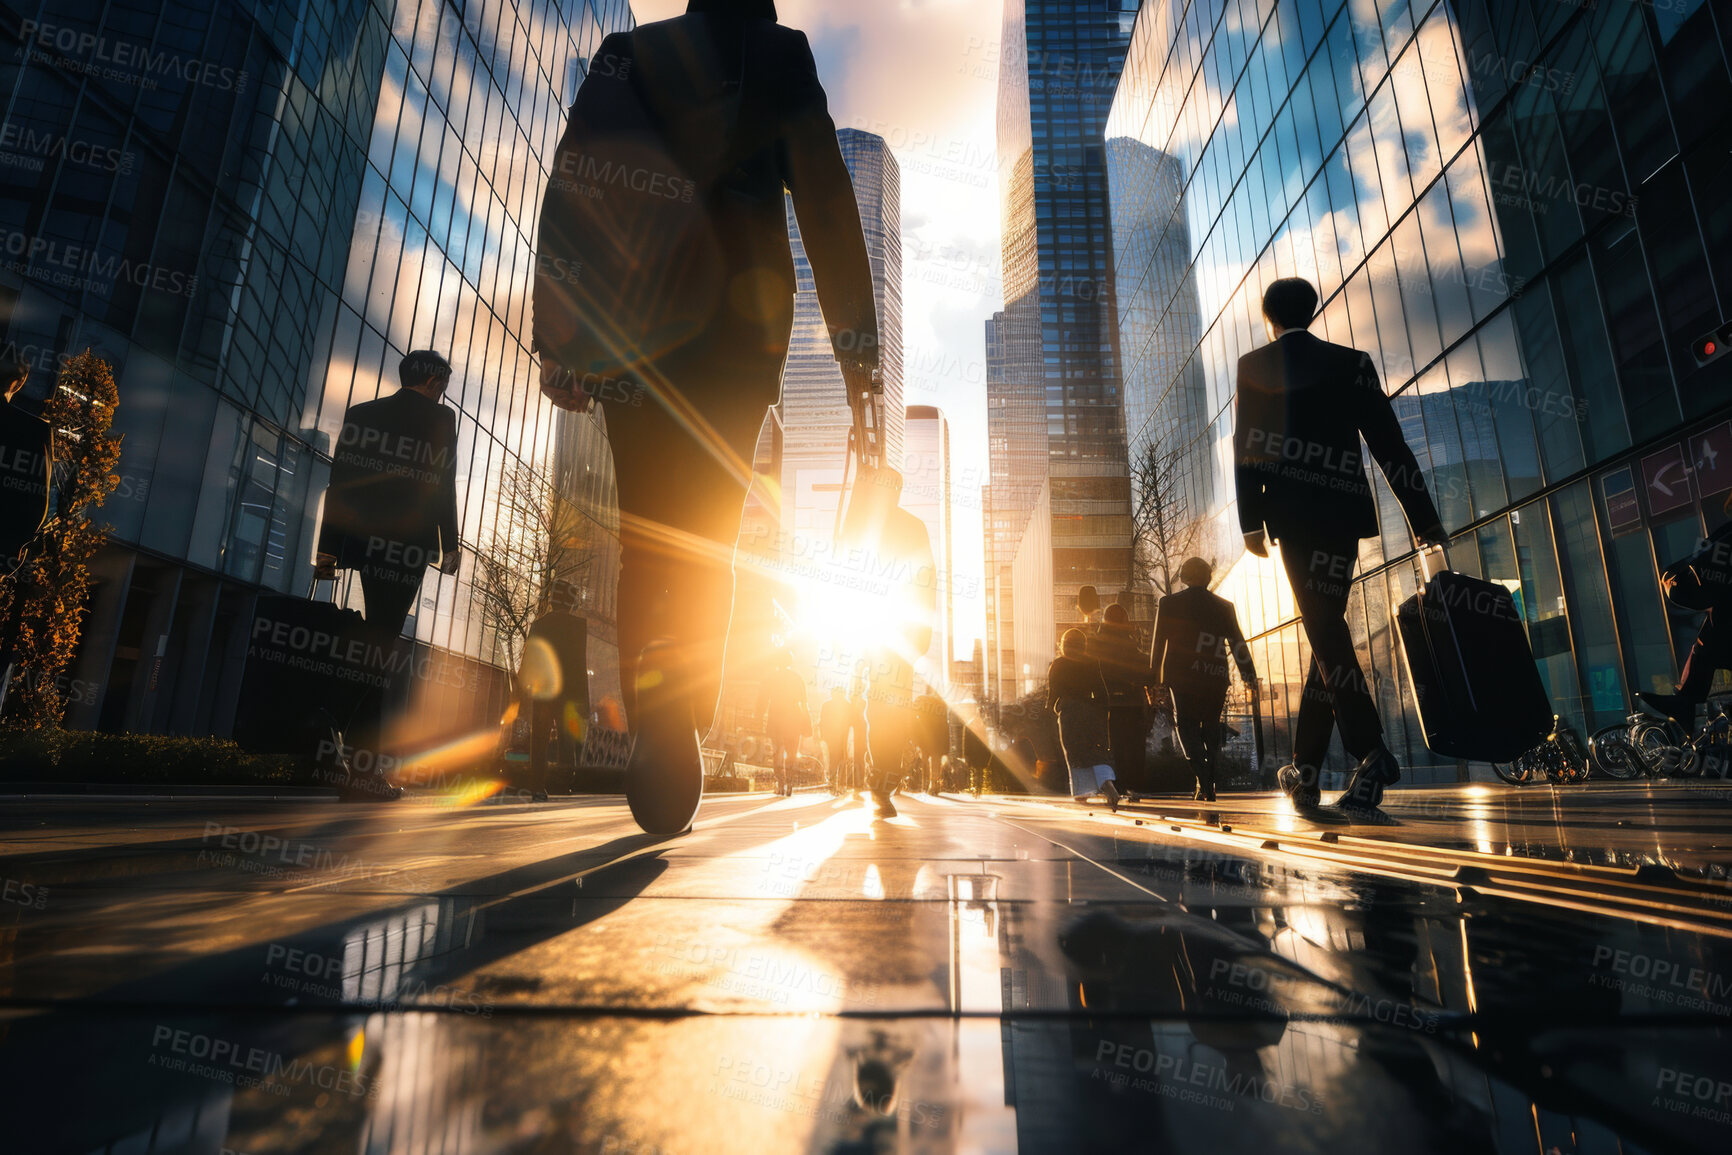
(1667, 480)
(1711, 453)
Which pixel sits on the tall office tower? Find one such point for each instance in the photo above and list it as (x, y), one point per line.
(926, 494)
(1527, 263)
(252, 211)
(1166, 404)
(1061, 63)
(1017, 459)
(814, 405)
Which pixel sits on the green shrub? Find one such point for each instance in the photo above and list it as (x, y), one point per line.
(53, 755)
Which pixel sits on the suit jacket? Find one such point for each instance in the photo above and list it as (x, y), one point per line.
(1124, 664)
(664, 230)
(1302, 405)
(1196, 632)
(568, 634)
(393, 482)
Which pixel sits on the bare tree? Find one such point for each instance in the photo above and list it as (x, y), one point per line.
(541, 537)
(1164, 529)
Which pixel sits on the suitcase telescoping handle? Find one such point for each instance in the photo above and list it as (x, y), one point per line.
(1429, 562)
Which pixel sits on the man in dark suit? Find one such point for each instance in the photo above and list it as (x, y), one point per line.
(391, 508)
(672, 303)
(1302, 406)
(1701, 582)
(558, 722)
(1125, 666)
(1196, 632)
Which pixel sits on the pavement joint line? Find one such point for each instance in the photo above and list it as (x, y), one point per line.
(1424, 856)
(1461, 1020)
(658, 843)
(1364, 857)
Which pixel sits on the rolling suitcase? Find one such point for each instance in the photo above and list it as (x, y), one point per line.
(1474, 679)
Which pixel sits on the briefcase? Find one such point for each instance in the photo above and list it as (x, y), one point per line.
(1474, 679)
(308, 666)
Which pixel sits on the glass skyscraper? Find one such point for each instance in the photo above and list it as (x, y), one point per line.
(1016, 450)
(1060, 64)
(1519, 209)
(252, 210)
(926, 494)
(814, 406)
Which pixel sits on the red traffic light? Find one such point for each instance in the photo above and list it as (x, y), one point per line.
(1713, 345)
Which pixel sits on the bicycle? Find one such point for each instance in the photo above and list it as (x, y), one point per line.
(1558, 759)
(1655, 747)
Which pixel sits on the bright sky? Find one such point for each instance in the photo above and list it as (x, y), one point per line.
(923, 74)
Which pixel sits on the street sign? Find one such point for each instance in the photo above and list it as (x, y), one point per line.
(1623, 511)
(1711, 457)
(1666, 479)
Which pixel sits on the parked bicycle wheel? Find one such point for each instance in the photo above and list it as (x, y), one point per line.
(1613, 755)
(1660, 744)
(1524, 771)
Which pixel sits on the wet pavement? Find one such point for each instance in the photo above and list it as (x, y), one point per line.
(1500, 969)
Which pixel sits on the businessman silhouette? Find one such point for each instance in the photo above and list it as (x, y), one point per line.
(391, 508)
(1196, 632)
(1302, 406)
(665, 290)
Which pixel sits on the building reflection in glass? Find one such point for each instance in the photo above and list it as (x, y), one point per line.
(1510, 204)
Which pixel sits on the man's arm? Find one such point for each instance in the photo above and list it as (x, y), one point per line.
(1158, 647)
(829, 217)
(333, 534)
(1241, 652)
(1249, 435)
(1383, 436)
(448, 538)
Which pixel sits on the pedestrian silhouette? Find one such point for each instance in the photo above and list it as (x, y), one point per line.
(1700, 582)
(1125, 666)
(900, 539)
(390, 512)
(1196, 632)
(932, 734)
(559, 713)
(1302, 405)
(782, 707)
(665, 290)
(833, 731)
(1077, 693)
(856, 761)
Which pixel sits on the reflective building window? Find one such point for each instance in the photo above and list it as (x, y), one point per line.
(1509, 205)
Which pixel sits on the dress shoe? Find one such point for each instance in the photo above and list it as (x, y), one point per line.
(1204, 793)
(1110, 791)
(1299, 785)
(1365, 791)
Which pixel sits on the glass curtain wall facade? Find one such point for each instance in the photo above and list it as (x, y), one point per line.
(1061, 63)
(1519, 209)
(926, 494)
(252, 210)
(1016, 463)
(814, 405)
